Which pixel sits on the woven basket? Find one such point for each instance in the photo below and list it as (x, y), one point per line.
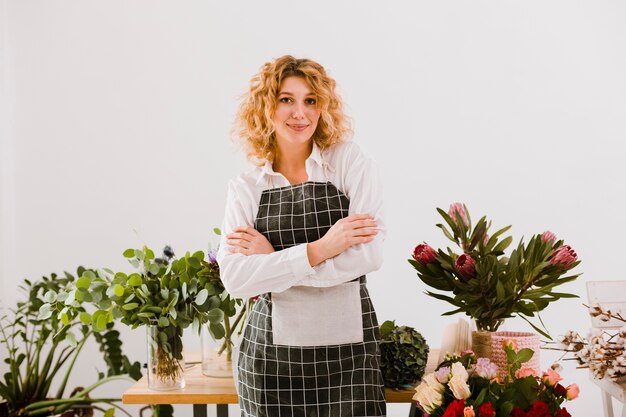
(522, 340)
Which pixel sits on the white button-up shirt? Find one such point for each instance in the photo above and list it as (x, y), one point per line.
(353, 173)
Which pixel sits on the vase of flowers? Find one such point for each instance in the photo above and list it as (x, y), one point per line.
(467, 386)
(478, 279)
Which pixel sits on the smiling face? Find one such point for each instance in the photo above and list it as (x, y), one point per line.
(296, 114)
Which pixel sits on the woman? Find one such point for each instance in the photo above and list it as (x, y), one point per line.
(301, 231)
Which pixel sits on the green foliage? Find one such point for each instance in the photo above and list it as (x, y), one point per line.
(522, 284)
(43, 344)
(404, 354)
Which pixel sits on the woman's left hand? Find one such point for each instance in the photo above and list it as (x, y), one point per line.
(248, 241)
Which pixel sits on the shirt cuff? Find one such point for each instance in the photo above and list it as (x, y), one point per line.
(299, 261)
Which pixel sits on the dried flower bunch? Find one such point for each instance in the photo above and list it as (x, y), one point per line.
(486, 285)
(466, 386)
(603, 352)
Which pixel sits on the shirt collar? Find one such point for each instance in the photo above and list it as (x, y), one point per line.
(267, 169)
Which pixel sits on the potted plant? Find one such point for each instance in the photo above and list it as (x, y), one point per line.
(486, 285)
(43, 337)
(165, 294)
(404, 355)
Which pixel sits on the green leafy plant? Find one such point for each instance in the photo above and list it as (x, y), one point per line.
(404, 354)
(43, 345)
(168, 293)
(486, 285)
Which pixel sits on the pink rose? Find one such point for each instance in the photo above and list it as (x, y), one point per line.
(509, 343)
(465, 266)
(551, 377)
(484, 368)
(469, 411)
(424, 254)
(564, 256)
(548, 236)
(524, 372)
(572, 391)
(458, 208)
(443, 374)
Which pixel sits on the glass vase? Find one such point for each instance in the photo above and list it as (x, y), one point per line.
(218, 354)
(165, 358)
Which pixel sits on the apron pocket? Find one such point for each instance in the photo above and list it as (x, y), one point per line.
(312, 316)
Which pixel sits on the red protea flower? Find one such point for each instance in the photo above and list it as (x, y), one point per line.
(465, 266)
(486, 410)
(564, 256)
(424, 254)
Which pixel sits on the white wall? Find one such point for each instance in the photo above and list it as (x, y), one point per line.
(123, 109)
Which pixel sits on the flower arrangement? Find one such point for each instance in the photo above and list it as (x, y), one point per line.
(602, 352)
(486, 285)
(466, 386)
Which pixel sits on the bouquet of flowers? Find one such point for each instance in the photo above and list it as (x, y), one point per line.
(485, 284)
(466, 386)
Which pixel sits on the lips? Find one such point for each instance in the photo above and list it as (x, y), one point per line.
(297, 127)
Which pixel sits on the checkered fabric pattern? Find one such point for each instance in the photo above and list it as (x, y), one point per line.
(292, 381)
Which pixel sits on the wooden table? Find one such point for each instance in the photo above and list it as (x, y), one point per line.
(201, 391)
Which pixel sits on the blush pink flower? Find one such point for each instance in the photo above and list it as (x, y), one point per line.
(465, 266)
(524, 372)
(484, 368)
(458, 208)
(424, 254)
(469, 411)
(572, 391)
(551, 377)
(564, 256)
(506, 343)
(548, 236)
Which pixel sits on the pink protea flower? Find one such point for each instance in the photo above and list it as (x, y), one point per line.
(424, 254)
(564, 256)
(572, 391)
(524, 372)
(460, 209)
(548, 236)
(551, 377)
(465, 266)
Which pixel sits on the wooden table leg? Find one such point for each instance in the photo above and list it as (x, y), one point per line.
(222, 410)
(199, 410)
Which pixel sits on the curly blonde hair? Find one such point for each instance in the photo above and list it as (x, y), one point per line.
(254, 125)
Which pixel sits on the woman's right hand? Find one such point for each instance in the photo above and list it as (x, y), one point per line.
(349, 231)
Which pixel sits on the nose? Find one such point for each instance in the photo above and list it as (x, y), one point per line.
(298, 111)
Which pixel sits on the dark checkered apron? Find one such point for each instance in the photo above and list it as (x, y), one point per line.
(298, 381)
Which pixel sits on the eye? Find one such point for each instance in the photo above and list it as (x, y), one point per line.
(285, 100)
(311, 101)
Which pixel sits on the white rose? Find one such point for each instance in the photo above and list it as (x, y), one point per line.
(459, 387)
(459, 370)
(428, 398)
(432, 382)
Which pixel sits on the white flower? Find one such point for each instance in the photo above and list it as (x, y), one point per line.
(429, 399)
(458, 370)
(459, 387)
(432, 382)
